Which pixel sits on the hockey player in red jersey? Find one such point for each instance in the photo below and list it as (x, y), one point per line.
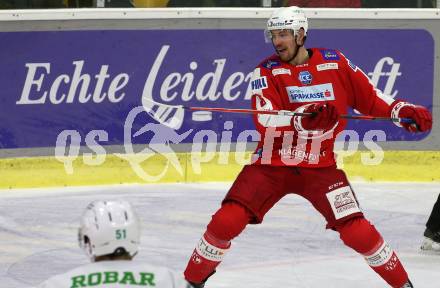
(295, 154)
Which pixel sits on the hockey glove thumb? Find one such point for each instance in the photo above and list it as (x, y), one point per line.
(420, 115)
(324, 117)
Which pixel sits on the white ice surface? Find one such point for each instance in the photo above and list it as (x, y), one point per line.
(38, 232)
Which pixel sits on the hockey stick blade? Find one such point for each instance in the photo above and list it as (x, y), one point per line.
(168, 115)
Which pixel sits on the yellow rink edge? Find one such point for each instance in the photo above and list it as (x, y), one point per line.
(206, 167)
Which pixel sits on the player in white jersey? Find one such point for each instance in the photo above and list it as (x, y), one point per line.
(109, 234)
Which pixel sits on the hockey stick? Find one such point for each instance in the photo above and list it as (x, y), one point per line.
(172, 115)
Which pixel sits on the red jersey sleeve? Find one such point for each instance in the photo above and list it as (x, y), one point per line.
(363, 96)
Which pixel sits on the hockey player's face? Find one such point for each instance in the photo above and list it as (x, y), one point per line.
(284, 43)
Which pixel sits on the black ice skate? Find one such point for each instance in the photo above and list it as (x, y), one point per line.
(201, 285)
(431, 243)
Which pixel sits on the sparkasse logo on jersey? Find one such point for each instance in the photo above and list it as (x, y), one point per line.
(322, 92)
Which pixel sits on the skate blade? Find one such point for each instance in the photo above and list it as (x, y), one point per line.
(426, 251)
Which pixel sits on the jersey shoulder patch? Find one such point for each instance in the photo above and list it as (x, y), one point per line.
(329, 54)
(270, 63)
(258, 81)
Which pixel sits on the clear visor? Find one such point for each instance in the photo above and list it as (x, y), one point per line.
(268, 34)
(274, 24)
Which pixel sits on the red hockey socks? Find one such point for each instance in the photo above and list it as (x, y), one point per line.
(207, 255)
(226, 224)
(362, 236)
(384, 261)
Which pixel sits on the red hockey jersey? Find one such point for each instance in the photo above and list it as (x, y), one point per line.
(328, 76)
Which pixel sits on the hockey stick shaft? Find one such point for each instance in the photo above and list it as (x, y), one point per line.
(249, 111)
(173, 115)
(291, 113)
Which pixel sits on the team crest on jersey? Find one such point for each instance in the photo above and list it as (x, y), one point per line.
(305, 77)
(329, 54)
(314, 93)
(271, 63)
(259, 83)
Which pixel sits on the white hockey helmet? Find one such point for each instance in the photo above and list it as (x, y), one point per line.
(287, 18)
(107, 226)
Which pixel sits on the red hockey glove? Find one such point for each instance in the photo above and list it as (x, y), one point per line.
(419, 114)
(325, 116)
